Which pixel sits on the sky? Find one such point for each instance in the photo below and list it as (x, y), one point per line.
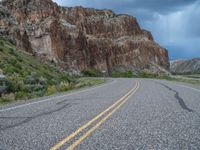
(175, 24)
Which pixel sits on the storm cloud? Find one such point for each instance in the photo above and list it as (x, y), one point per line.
(173, 23)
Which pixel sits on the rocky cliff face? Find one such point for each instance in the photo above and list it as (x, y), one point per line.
(79, 37)
(185, 66)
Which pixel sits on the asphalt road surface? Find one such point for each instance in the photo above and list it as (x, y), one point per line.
(121, 114)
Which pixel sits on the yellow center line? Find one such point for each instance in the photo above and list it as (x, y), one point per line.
(76, 143)
(71, 136)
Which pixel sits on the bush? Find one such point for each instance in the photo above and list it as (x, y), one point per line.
(144, 74)
(1, 49)
(125, 74)
(2, 43)
(51, 90)
(3, 81)
(19, 58)
(5, 98)
(166, 77)
(13, 62)
(91, 73)
(14, 84)
(18, 66)
(65, 86)
(35, 79)
(65, 77)
(34, 87)
(10, 70)
(21, 95)
(36, 94)
(11, 50)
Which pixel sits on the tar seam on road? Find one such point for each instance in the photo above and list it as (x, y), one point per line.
(101, 118)
(52, 98)
(28, 119)
(177, 96)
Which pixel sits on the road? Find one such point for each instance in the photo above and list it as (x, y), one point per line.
(121, 114)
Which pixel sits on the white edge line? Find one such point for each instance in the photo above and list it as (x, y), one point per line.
(180, 85)
(49, 99)
(188, 87)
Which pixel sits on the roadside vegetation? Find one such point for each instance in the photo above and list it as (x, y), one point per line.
(184, 80)
(125, 74)
(27, 78)
(192, 78)
(89, 72)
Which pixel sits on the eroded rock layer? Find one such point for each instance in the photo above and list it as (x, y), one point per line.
(79, 37)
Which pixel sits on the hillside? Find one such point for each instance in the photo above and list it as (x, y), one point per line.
(78, 38)
(185, 66)
(26, 77)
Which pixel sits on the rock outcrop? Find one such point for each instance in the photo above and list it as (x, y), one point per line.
(185, 66)
(80, 38)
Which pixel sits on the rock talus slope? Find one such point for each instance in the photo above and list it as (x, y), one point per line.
(80, 38)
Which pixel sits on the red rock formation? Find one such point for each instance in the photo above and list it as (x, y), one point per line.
(84, 37)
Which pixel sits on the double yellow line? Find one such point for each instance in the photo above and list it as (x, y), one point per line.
(102, 116)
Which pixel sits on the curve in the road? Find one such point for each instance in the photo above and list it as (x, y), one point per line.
(102, 116)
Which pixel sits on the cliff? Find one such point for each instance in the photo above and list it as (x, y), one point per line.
(79, 38)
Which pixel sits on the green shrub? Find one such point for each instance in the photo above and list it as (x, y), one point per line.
(166, 77)
(34, 87)
(21, 95)
(19, 58)
(3, 81)
(34, 78)
(5, 98)
(65, 77)
(51, 90)
(144, 74)
(1, 49)
(10, 70)
(91, 73)
(125, 74)
(2, 43)
(11, 50)
(14, 84)
(12, 62)
(64, 86)
(18, 66)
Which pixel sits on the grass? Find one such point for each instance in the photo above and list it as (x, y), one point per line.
(171, 78)
(193, 76)
(143, 74)
(124, 74)
(27, 78)
(88, 81)
(89, 72)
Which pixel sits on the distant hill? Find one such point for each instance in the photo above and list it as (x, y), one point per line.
(185, 66)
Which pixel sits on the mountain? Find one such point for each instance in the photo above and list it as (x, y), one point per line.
(185, 66)
(77, 38)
